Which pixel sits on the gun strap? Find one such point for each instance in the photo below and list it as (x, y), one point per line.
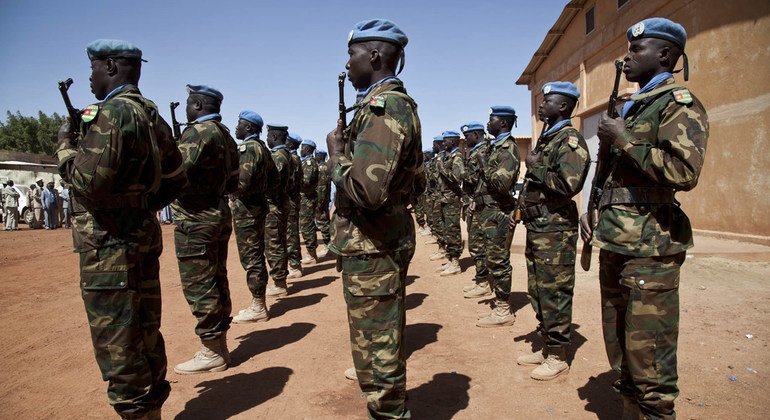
(637, 195)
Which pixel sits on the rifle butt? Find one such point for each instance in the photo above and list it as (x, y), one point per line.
(585, 256)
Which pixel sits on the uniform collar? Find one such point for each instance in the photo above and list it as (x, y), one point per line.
(278, 147)
(499, 139)
(117, 90)
(479, 144)
(361, 94)
(251, 137)
(656, 81)
(558, 126)
(208, 117)
(305, 158)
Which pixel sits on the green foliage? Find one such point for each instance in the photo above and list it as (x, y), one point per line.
(29, 134)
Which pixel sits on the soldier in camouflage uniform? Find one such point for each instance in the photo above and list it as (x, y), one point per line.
(294, 188)
(374, 164)
(278, 213)
(420, 206)
(474, 136)
(452, 172)
(657, 149)
(436, 185)
(322, 204)
(203, 224)
(556, 171)
(494, 203)
(249, 207)
(308, 201)
(122, 169)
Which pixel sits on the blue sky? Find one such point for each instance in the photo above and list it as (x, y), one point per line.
(280, 59)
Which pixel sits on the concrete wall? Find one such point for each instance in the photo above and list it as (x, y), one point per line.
(729, 50)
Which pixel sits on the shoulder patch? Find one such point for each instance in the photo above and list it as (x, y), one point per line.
(377, 101)
(90, 113)
(572, 142)
(682, 96)
(242, 148)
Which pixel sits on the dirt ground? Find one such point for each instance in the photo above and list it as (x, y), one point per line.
(292, 366)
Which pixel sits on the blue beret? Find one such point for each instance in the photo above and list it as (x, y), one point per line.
(660, 28)
(502, 111)
(438, 138)
(379, 30)
(472, 126)
(562, 88)
(112, 48)
(205, 90)
(308, 142)
(294, 137)
(277, 127)
(251, 117)
(446, 134)
(321, 152)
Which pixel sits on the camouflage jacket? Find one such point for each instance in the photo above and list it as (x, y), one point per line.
(211, 161)
(556, 177)
(125, 165)
(375, 174)
(473, 169)
(256, 168)
(309, 178)
(499, 176)
(452, 172)
(323, 190)
(438, 181)
(294, 184)
(282, 161)
(661, 152)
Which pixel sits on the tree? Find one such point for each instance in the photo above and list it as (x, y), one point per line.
(29, 134)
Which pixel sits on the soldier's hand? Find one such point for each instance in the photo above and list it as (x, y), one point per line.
(532, 158)
(65, 133)
(334, 141)
(586, 230)
(610, 129)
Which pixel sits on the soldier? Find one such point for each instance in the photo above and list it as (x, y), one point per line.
(437, 185)
(322, 204)
(452, 171)
(375, 163)
(278, 210)
(556, 171)
(657, 149)
(11, 205)
(249, 207)
(494, 203)
(294, 188)
(122, 169)
(420, 208)
(474, 137)
(203, 224)
(308, 198)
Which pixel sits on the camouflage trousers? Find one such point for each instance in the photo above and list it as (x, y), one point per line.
(551, 282)
(450, 221)
(322, 218)
(494, 224)
(120, 286)
(201, 251)
(249, 224)
(293, 251)
(420, 213)
(374, 287)
(477, 246)
(275, 239)
(307, 209)
(438, 222)
(640, 320)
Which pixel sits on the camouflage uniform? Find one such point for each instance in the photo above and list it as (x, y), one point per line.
(308, 204)
(438, 183)
(420, 213)
(204, 223)
(249, 208)
(374, 236)
(121, 172)
(643, 236)
(322, 204)
(277, 216)
(452, 172)
(293, 251)
(494, 203)
(551, 218)
(476, 243)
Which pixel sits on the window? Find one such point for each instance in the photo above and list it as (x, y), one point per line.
(622, 3)
(590, 20)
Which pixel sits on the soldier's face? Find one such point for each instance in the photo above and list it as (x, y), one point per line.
(550, 108)
(359, 66)
(306, 150)
(240, 130)
(99, 78)
(642, 61)
(494, 126)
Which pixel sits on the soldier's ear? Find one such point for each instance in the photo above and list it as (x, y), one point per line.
(112, 66)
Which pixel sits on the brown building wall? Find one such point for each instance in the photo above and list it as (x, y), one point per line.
(729, 50)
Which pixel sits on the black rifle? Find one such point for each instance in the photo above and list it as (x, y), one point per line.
(174, 123)
(341, 106)
(601, 174)
(73, 112)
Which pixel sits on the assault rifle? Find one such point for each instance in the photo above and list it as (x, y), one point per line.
(600, 176)
(341, 106)
(176, 125)
(74, 113)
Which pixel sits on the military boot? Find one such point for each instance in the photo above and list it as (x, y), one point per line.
(438, 255)
(452, 268)
(481, 290)
(280, 288)
(443, 266)
(501, 316)
(311, 257)
(350, 373)
(322, 251)
(294, 273)
(256, 312)
(212, 357)
(536, 358)
(554, 365)
(469, 287)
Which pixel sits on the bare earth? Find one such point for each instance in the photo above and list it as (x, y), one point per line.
(291, 367)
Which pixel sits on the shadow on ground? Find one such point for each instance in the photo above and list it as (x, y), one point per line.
(302, 285)
(441, 398)
(232, 395)
(417, 336)
(414, 300)
(289, 303)
(518, 300)
(310, 269)
(600, 398)
(261, 341)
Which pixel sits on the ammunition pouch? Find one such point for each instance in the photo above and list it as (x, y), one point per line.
(533, 212)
